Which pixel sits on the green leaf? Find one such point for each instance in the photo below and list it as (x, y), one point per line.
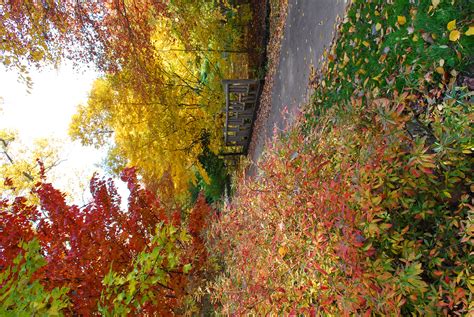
(186, 268)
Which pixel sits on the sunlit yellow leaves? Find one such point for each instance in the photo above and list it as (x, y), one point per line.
(434, 5)
(378, 26)
(402, 20)
(454, 35)
(203, 173)
(18, 162)
(282, 251)
(470, 31)
(37, 55)
(158, 136)
(160, 133)
(451, 25)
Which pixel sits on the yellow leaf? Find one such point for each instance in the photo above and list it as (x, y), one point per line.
(435, 3)
(401, 20)
(378, 26)
(451, 25)
(454, 35)
(440, 70)
(373, 229)
(346, 58)
(203, 173)
(366, 44)
(37, 55)
(282, 251)
(376, 200)
(470, 31)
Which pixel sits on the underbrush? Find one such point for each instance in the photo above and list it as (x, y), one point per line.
(365, 207)
(355, 217)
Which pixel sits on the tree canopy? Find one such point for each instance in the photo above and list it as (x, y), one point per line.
(161, 126)
(19, 164)
(106, 32)
(98, 253)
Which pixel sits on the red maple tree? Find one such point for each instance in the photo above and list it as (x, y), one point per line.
(81, 244)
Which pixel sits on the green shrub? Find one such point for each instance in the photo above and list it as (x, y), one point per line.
(218, 176)
(22, 295)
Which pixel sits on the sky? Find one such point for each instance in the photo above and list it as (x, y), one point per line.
(46, 112)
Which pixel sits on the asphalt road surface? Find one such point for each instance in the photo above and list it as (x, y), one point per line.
(308, 30)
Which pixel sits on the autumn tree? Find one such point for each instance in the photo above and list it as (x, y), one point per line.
(160, 126)
(109, 33)
(18, 163)
(162, 61)
(66, 234)
(83, 245)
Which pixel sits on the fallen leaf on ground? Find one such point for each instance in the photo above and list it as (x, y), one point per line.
(401, 20)
(454, 35)
(470, 31)
(451, 25)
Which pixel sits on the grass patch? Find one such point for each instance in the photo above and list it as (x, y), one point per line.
(387, 48)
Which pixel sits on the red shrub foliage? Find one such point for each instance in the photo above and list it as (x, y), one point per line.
(354, 217)
(198, 222)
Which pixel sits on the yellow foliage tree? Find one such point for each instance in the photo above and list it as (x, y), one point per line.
(160, 127)
(163, 135)
(19, 164)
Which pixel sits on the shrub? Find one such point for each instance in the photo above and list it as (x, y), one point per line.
(355, 217)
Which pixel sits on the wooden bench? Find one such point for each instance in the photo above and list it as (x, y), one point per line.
(241, 97)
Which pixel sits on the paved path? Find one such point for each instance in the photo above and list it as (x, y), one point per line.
(308, 30)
